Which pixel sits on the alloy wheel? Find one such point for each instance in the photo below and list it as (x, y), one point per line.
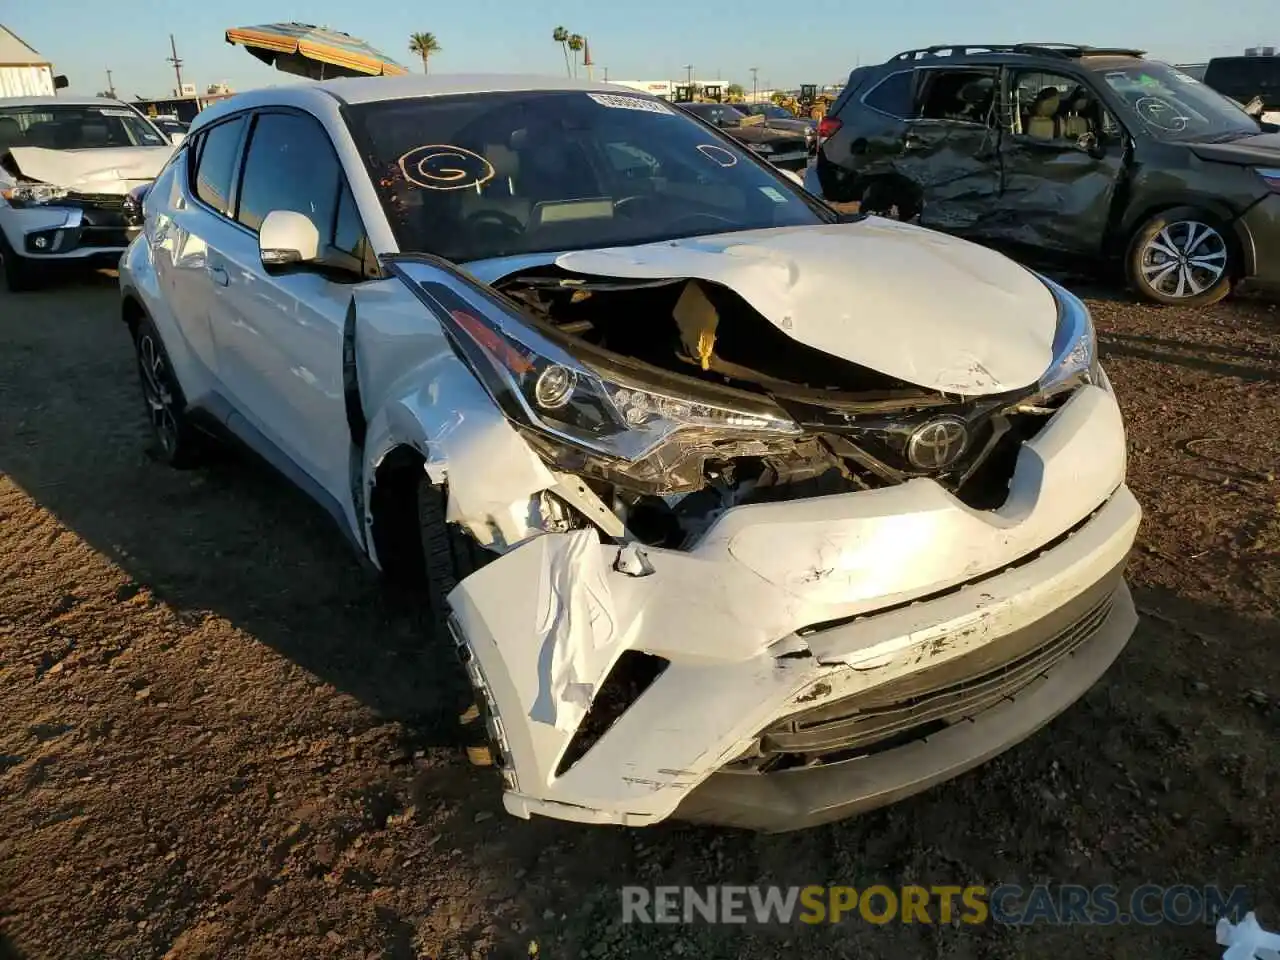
(156, 392)
(1184, 259)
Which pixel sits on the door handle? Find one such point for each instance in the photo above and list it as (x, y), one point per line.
(219, 275)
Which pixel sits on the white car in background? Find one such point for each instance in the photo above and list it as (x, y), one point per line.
(67, 166)
(730, 516)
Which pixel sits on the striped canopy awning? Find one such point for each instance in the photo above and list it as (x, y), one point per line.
(313, 52)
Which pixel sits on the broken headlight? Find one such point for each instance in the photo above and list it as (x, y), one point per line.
(1075, 346)
(32, 194)
(607, 411)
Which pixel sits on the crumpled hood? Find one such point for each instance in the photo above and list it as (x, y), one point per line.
(106, 170)
(926, 308)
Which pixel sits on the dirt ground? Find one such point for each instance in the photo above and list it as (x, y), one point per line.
(220, 738)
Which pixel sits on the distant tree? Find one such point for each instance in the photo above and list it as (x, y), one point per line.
(424, 45)
(575, 44)
(735, 90)
(561, 36)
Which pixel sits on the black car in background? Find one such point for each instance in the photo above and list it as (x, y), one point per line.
(1244, 78)
(785, 149)
(778, 118)
(1075, 151)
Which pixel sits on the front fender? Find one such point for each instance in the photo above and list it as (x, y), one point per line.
(443, 412)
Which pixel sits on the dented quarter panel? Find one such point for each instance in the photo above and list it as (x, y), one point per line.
(720, 611)
(836, 288)
(956, 166)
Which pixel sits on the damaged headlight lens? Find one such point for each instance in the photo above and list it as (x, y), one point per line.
(1075, 346)
(604, 410)
(32, 194)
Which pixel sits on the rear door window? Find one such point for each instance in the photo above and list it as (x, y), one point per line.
(216, 163)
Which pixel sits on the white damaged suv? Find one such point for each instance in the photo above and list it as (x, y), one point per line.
(737, 510)
(67, 166)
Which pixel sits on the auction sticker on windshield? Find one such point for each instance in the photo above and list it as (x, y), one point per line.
(616, 102)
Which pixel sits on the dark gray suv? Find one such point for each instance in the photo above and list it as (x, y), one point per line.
(1081, 152)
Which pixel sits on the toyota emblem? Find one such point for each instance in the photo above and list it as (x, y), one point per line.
(938, 444)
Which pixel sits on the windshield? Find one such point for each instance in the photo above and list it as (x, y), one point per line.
(1174, 106)
(75, 127)
(775, 112)
(490, 175)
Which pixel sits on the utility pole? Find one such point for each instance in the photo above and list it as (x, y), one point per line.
(755, 86)
(177, 64)
(111, 87)
(688, 74)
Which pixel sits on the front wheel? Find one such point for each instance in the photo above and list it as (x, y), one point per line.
(1182, 257)
(175, 441)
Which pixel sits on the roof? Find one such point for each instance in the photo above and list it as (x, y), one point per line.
(15, 53)
(316, 95)
(59, 101)
(369, 89)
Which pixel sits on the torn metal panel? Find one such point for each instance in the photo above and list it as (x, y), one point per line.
(1056, 196)
(491, 473)
(577, 628)
(832, 288)
(956, 167)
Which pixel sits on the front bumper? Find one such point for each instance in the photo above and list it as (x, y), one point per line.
(787, 607)
(94, 228)
(806, 797)
(1260, 230)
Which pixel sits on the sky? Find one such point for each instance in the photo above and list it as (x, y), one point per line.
(816, 41)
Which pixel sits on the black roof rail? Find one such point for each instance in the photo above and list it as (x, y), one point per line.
(1068, 51)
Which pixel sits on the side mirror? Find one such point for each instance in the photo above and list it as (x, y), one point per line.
(287, 238)
(60, 82)
(177, 138)
(1255, 108)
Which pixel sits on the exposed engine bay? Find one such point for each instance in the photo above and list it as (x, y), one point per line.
(851, 428)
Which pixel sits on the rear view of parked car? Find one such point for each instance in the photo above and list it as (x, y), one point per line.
(1079, 153)
(1246, 79)
(66, 169)
(787, 149)
(728, 514)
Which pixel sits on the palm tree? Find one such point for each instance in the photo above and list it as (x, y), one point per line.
(561, 36)
(424, 45)
(575, 44)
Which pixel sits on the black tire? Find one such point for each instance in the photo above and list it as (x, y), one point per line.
(885, 198)
(1182, 257)
(20, 274)
(174, 441)
(448, 555)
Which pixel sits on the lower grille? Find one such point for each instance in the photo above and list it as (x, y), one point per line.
(113, 202)
(916, 705)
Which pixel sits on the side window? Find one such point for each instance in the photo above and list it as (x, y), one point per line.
(290, 165)
(964, 95)
(350, 239)
(1050, 106)
(893, 95)
(215, 163)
